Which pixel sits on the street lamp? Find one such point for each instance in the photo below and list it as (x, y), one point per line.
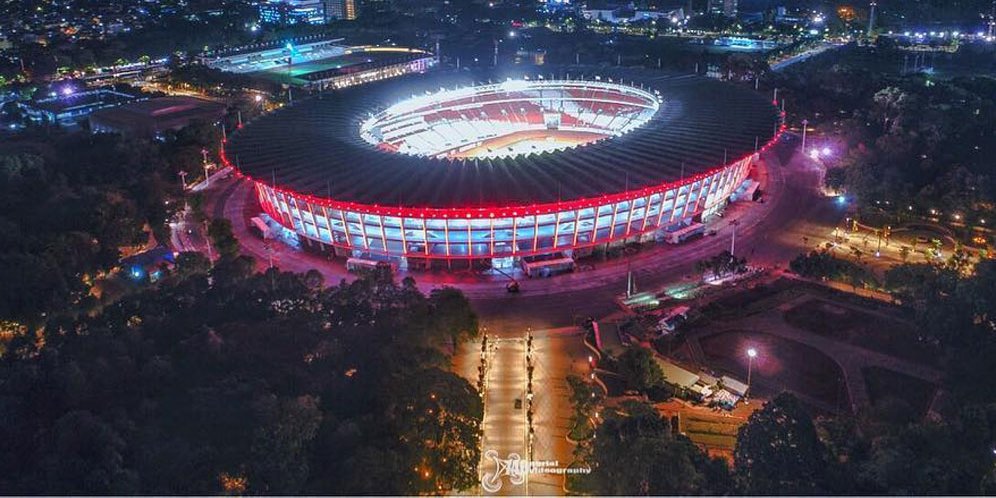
(805, 124)
(751, 354)
(207, 177)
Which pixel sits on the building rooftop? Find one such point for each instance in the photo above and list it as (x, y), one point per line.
(676, 375)
(156, 115)
(314, 147)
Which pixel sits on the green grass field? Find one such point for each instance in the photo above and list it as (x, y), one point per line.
(292, 75)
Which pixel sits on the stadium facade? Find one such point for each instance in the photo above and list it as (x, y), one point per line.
(443, 167)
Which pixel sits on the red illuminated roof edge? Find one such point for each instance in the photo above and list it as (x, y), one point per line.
(486, 212)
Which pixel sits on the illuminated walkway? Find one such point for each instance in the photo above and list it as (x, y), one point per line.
(505, 425)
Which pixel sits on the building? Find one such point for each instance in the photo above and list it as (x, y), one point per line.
(292, 12)
(67, 106)
(153, 117)
(428, 169)
(340, 10)
(727, 8)
(626, 13)
(320, 63)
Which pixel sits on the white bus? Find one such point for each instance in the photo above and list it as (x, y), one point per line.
(685, 233)
(258, 227)
(548, 268)
(360, 265)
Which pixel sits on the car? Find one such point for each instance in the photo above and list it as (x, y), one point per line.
(518, 403)
(923, 240)
(711, 233)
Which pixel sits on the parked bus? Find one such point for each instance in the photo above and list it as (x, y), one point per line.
(360, 265)
(259, 228)
(548, 268)
(685, 233)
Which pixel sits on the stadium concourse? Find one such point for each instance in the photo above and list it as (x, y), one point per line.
(502, 170)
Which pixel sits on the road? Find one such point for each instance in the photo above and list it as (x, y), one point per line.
(782, 64)
(555, 356)
(505, 425)
(794, 218)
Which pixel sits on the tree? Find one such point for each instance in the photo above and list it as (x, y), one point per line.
(452, 316)
(83, 454)
(241, 383)
(640, 369)
(192, 263)
(280, 443)
(636, 453)
(438, 415)
(723, 264)
(930, 458)
(778, 452)
(222, 238)
(980, 293)
(824, 265)
(584, 396)
(835, 178)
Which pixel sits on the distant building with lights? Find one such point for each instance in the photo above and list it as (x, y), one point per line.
(727, 8)
(292, 12)
(340, 10)
(626, 13)
(319, 63)
(66, 107)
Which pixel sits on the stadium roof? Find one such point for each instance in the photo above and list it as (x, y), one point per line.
(314, 147)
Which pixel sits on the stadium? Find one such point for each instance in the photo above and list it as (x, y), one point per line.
(318, 62)
(502, 169)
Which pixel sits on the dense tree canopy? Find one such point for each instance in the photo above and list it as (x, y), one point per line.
(824, 265)
(637, 453)
(70, 202)
(906, 144)
(778, 452)
(232, 381)
(639, 369)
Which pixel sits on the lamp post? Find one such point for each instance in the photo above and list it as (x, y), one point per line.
(207, 177)
(751, 354)
(805, 124)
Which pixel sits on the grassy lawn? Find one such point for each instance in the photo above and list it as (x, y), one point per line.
(704, 427)
(866, 330)
(713, 440)
(750, 301)
(883, 384)
(713, 432)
